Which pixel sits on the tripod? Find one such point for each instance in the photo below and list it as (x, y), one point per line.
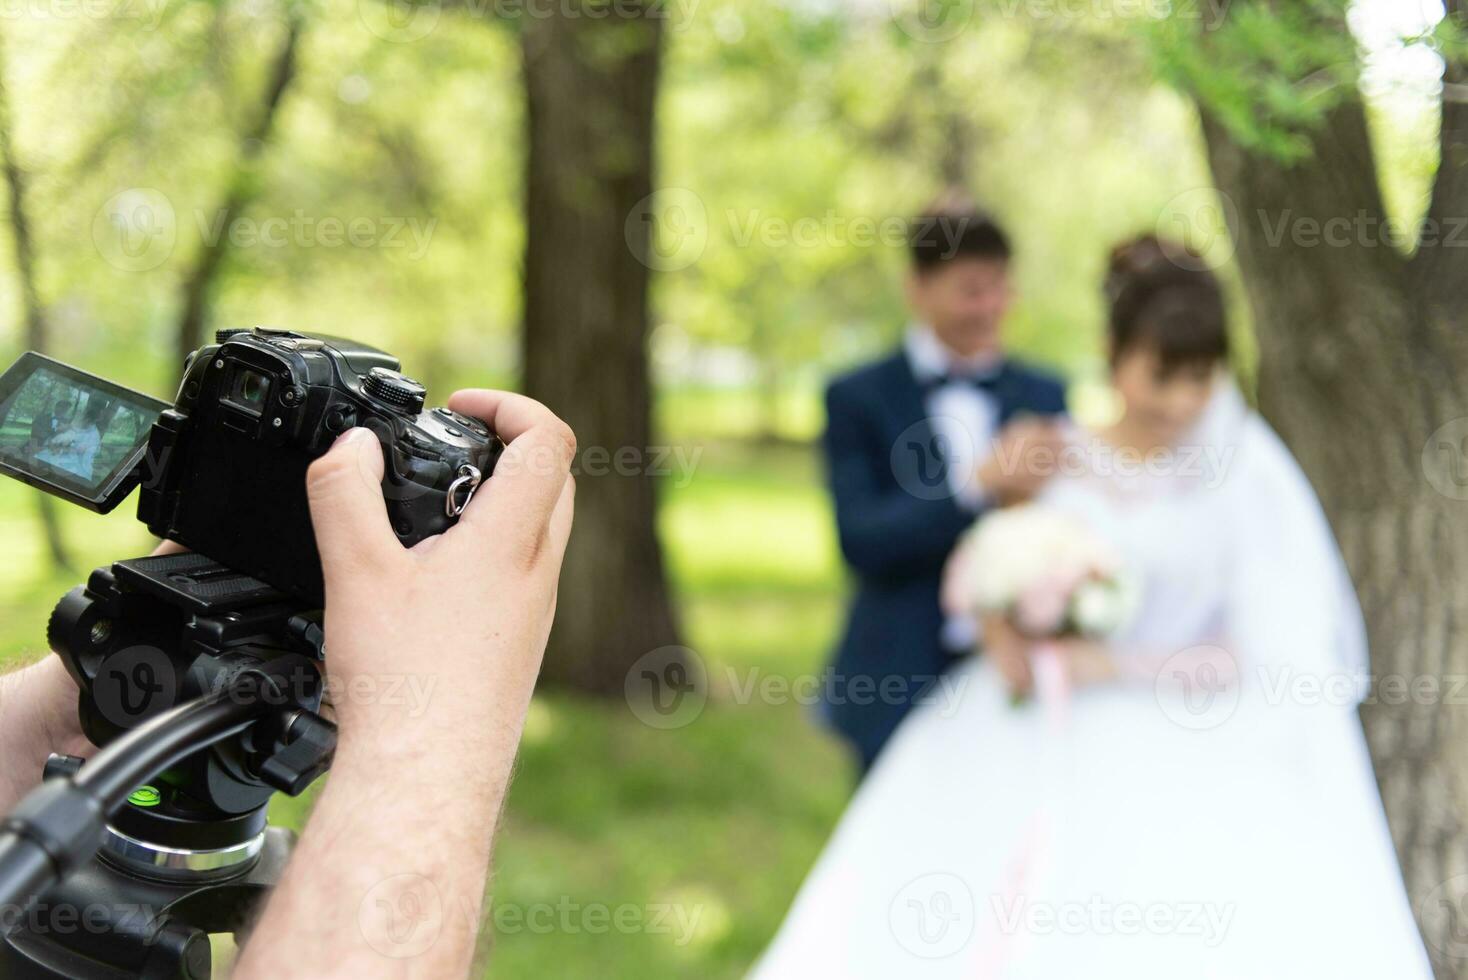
(203, 686)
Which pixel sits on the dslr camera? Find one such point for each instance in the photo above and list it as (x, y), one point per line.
(199, 674)
(223, 471)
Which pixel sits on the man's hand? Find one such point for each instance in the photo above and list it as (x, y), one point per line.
(38, 716)
(1025, 457)
(431, 655)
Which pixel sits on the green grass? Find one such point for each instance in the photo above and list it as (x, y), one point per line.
(697, 837)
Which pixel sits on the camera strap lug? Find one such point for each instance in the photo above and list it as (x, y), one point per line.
(467, 482)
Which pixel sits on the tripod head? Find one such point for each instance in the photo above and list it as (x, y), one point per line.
(146, 635)
(205, 683)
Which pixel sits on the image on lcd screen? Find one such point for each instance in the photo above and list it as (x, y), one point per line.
(76, 434)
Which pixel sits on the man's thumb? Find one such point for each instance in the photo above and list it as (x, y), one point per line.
(347, 510)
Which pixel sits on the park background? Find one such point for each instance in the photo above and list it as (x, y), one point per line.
(673, 222)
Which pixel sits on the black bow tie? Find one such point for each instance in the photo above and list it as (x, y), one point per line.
(986, 381)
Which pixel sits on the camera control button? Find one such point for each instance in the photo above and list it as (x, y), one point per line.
(462, 421)
(339, 419)
(398, 392)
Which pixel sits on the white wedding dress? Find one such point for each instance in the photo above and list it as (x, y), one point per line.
(1214, 815)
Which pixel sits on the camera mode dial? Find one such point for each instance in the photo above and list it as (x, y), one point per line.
(401, 393)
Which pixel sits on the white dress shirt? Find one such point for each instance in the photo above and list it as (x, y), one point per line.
(963, 416)
(966, 419)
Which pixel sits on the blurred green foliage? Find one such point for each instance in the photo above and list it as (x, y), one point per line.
(790, 133)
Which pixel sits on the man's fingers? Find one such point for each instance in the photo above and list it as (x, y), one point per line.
(347, 508)
(532, 473)
(509, 415)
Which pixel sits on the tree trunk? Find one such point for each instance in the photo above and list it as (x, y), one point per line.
(36, 333)
(591, 80)
(198, 284)
(1364, 372)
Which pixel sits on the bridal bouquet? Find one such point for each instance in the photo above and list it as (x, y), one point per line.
(1050, 575)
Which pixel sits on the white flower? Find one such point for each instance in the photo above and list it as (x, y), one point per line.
(1021, 555)
(1098, 608)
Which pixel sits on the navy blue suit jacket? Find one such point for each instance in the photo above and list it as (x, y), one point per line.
(897, 523)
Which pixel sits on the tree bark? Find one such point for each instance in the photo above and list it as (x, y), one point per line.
(591, 79)
(36, 333)
(198, 284)
(1363, 361)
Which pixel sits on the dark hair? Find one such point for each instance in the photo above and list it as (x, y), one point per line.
(1164, 297)
(953, 228)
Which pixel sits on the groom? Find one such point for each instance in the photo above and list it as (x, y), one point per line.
(918, 445)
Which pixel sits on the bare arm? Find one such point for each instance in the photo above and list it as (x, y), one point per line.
(390, 872)
(38, 716)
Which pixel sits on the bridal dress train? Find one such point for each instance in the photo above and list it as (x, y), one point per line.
(1214, 815)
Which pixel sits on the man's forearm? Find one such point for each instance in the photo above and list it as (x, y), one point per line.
(388, 877)
(38, 716)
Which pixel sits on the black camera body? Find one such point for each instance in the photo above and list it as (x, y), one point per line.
(225, 469)
(200, 670)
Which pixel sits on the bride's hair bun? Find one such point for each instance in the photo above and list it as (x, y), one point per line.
(1165, 298)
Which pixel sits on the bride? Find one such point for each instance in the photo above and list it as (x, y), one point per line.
(1201, 804)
